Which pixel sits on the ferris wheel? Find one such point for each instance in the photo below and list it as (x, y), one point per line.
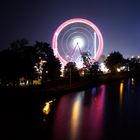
(74, 37)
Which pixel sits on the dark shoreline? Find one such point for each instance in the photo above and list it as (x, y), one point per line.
(59, 88)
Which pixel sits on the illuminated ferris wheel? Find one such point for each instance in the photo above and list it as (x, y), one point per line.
(74, 37)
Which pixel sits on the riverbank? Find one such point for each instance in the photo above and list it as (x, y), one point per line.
(53, 89)
(88, 82)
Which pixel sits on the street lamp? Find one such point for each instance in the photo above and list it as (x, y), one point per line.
(70, 77)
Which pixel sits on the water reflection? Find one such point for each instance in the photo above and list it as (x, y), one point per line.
(106, 112)
(76, 119)
(121, 92)
(75, 116)
(131, 85)
(96, 114)
(47, 108)
(61, 123)
(132, 81)
(81, 115)
(94, 91)
(128, 85)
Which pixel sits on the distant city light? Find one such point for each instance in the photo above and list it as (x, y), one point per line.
(39, 66)
(118, 69)
(103, 68)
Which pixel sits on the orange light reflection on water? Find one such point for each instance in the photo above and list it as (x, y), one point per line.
(47, 108)
(121, 93)
(75, 118)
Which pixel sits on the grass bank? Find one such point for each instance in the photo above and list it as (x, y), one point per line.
(61, 87)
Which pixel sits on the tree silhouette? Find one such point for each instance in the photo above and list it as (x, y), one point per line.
(87, 62)
(71, 69)
(134, 64)
(51, 69)
(19, 44)
(20, 59)
(95, 69)
(114, 61)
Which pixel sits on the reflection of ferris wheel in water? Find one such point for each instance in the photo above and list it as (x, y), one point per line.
(74, 37)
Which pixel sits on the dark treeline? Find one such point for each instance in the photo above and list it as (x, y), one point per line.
(25, 63)
(22, 64)
(116, 62)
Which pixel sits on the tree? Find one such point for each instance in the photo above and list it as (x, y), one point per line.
(95, 69)
(71, 70)
(19, 44)
(50, 69)
(114, 61)
(26, 62)
(16, 62)
(87, 62)
(22, 61)
(134, 64)
(7, 62)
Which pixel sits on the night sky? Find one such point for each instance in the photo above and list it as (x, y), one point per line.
(37, 20)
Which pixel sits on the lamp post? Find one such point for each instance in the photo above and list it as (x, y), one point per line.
(70, 77)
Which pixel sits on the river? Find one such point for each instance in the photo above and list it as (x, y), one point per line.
(107, 112)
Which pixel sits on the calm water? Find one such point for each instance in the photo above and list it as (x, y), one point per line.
(108, 112)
